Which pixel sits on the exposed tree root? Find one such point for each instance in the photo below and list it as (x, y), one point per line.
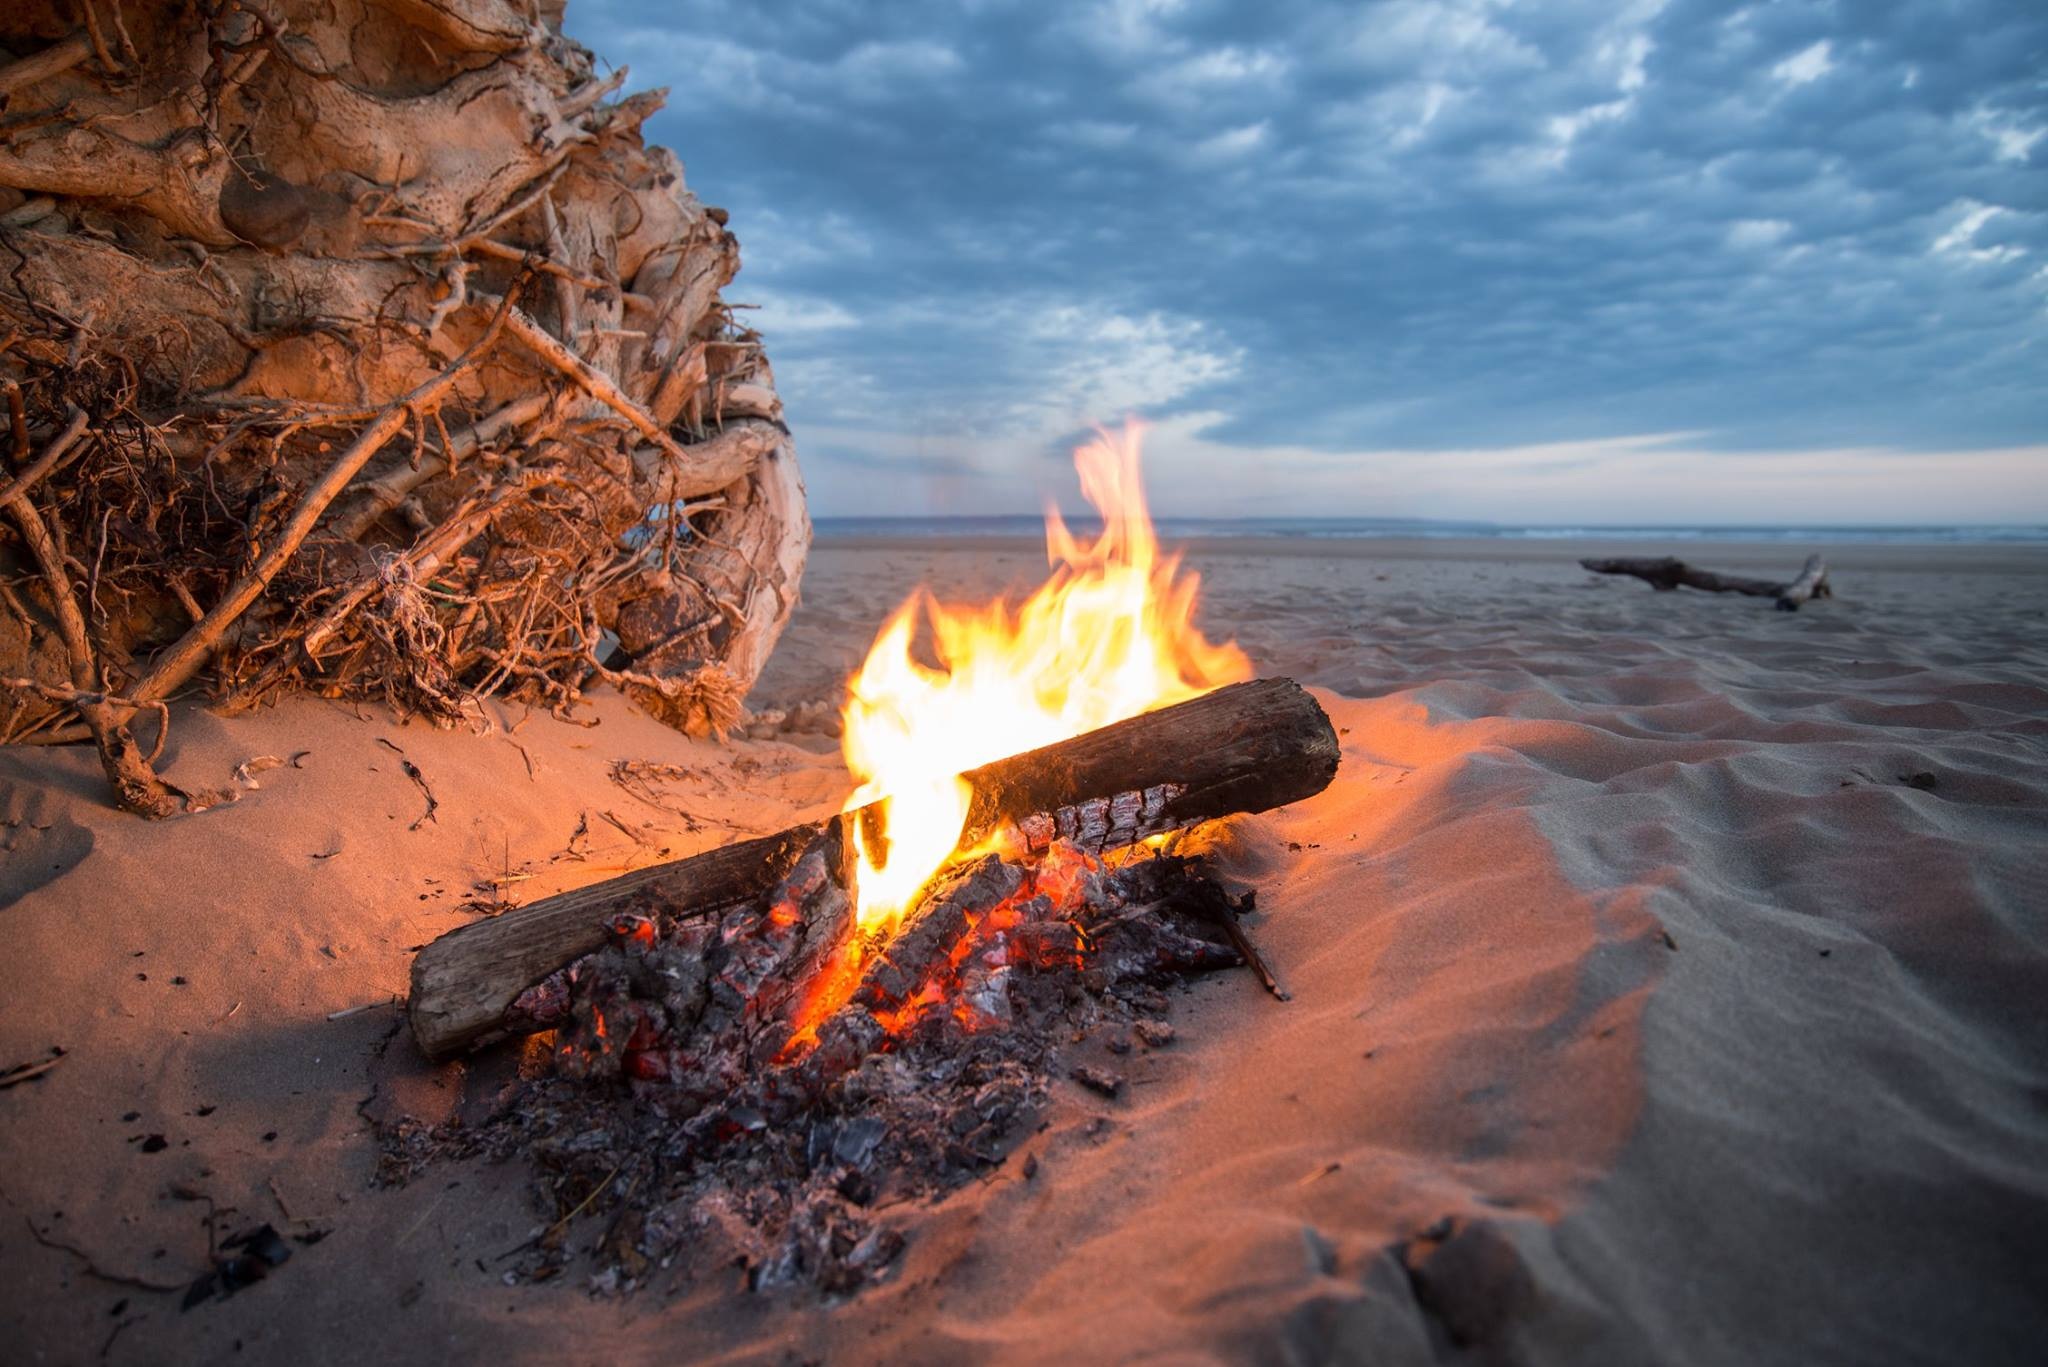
(364, 347)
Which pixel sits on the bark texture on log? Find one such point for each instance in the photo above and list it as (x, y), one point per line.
(1245, 748)
(1665, 574)
(403, 362)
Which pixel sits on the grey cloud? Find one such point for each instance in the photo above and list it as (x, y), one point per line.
(1398, 224)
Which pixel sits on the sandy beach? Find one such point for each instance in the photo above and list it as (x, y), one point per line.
(1667, 977)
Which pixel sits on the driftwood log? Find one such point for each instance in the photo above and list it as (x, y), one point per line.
(1666, 574)
(1245, 748)
(364, 345)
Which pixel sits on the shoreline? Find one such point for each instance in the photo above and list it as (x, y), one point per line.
(2029, 558)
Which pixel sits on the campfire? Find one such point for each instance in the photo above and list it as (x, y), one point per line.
(1109, 635)
(769, 1036)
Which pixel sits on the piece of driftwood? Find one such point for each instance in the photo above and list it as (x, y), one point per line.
(1665, 574)
(1246, 748)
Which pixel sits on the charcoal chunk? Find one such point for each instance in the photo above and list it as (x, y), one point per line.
(1098, 1079)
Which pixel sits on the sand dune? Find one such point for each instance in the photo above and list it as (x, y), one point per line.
(1668, 978)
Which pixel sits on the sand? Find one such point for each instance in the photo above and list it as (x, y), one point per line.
(1668, 972)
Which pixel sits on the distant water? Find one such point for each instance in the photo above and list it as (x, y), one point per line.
(1339, 528)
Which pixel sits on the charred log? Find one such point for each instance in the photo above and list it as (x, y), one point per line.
(1246, 748)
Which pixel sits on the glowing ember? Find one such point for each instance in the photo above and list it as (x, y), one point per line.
(1108, 635)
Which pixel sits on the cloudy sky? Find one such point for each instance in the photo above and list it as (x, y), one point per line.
(1565, 261)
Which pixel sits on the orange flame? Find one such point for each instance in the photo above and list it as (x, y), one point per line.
(1108, 635)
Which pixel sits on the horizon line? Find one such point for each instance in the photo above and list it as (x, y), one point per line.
(1575, 525)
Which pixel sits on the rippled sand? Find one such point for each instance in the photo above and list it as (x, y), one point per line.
(1668, 978)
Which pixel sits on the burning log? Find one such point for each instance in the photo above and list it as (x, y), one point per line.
(1245, 748)
(1667, 574)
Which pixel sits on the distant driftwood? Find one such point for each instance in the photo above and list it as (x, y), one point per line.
(1667, 574)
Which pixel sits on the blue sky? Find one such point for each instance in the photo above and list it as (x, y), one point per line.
(1548, 260)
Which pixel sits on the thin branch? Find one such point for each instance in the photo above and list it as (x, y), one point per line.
(46, 462)
(98, 39)
(504, 252)
(29, 1072)
(95, 1270)
(592, 382)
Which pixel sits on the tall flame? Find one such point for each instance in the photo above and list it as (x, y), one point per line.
(1108, 635)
